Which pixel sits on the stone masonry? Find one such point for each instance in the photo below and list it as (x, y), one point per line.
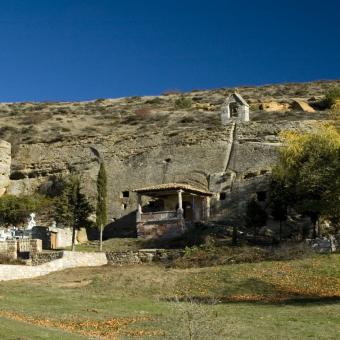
(69, 260)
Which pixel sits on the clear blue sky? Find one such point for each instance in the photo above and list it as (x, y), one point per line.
(87, 49)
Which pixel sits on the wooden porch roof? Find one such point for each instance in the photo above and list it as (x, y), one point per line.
(167, 188)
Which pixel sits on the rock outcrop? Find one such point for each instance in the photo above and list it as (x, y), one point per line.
(5, 165)
(233, 161)
(274, 106)
(300, 105)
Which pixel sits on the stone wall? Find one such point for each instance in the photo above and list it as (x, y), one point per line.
(64, 236)
(143, 256)
(9, 249)
(161, 229)
(69, 260)
(41, 258)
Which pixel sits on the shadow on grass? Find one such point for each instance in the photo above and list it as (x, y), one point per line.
(294, 300)
(256, 291)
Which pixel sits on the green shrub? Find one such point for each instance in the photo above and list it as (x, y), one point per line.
(331, 96)
(16, 209)
(183, 103)
(156, 100)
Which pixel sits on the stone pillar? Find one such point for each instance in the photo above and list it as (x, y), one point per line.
(139, 208)
(35, 246)
(207, 208)
(180, 204)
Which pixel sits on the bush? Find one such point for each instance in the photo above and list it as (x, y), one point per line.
(156, 101)
(183, 103)
(331, 97)
(36, 117)
(16, 209)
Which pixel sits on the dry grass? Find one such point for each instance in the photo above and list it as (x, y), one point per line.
(51, 121)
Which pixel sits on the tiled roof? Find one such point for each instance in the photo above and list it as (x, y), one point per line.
(174, 186)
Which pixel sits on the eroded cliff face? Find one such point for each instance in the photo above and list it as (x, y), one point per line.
(233, 161)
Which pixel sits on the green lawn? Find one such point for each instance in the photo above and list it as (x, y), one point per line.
(287, 300)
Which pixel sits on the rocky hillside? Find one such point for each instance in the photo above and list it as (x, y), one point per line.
(152, 140)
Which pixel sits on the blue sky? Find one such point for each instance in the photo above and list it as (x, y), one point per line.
(87, 49)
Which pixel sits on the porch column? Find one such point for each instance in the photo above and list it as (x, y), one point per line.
(139, 208)
(207, 208)
(180, 203)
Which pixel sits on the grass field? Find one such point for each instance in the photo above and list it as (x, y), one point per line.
(287, 300)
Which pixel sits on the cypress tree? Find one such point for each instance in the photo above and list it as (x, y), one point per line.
(101, 211)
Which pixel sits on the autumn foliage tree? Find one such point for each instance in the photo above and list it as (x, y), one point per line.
(309, 172)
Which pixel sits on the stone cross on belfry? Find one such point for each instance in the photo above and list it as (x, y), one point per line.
(31, 222)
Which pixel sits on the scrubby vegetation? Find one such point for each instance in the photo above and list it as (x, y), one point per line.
(331, 97)
(52, 122)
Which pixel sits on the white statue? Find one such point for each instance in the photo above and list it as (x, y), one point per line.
(31, 222)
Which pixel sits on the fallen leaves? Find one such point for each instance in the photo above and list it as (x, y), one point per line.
(268, 282)
(105, 329)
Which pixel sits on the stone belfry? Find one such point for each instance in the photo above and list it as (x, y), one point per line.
(234, 108)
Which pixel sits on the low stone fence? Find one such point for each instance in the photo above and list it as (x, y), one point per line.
(41, 258)
(70, 259)
(143, 256)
